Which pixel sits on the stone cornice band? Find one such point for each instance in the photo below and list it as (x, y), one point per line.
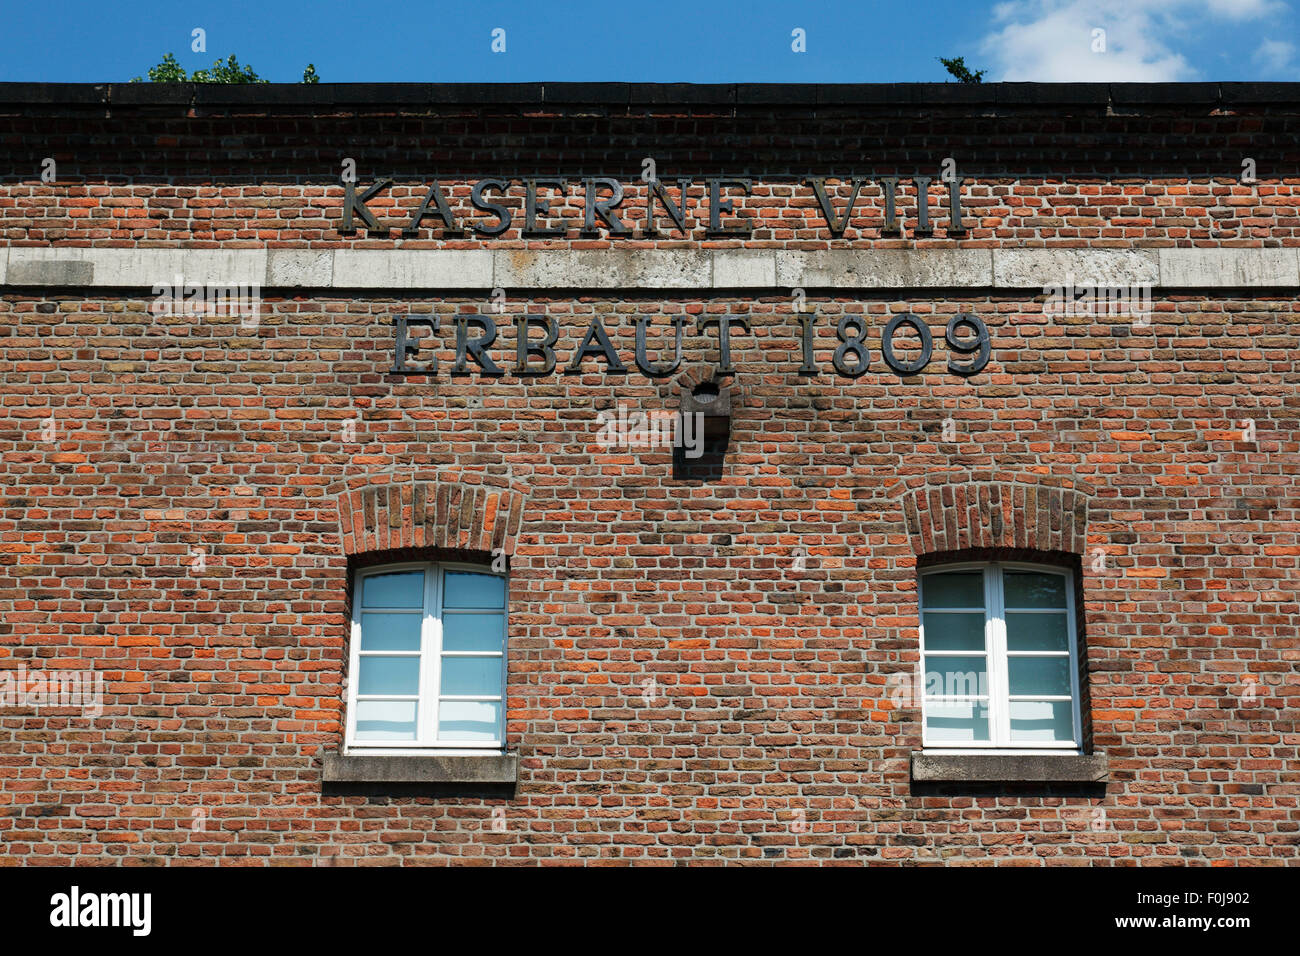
(400, 270)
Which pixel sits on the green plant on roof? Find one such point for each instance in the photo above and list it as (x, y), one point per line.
(957, 67)
(222, 71)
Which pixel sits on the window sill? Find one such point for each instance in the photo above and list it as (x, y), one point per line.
(421, 768)
(1009, 768)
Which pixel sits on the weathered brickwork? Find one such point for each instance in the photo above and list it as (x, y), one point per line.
(235, 177)
(699, 668)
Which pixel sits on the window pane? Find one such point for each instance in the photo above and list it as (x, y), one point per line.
(1032, 589)
(1042, 720)
(386, 720)
(390, 632)
(954, 632)
(1037, 631)
(467, 589)
(399, 589)
(472, 632)
(958, 720)
(955, 676)
(954, 589)
(389, 675)
(471, 676)
(468, 720)
(1038, 675)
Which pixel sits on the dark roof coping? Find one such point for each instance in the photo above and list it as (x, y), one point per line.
(278, 96)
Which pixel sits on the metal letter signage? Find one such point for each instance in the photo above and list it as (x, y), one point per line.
(851, 358)
(603, 196)
(721, 214)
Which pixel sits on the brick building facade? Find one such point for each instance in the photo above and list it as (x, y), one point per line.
(708, 653)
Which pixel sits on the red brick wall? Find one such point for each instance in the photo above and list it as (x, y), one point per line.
(225, 686)
(1155, 178)
(773, 736)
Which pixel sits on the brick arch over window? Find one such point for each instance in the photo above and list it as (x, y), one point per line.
(959, 511)
(387, 512)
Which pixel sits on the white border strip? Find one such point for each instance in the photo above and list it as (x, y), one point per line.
(769, 269)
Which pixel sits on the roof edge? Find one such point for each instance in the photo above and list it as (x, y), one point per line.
(294, 95)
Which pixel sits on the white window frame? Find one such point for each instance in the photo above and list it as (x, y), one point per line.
(431, 655)
(995, 647)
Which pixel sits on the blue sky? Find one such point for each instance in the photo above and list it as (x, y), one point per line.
(664, 40)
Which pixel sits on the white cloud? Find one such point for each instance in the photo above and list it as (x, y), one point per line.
(1054, 40)
(1244, 9)
(1274, 56)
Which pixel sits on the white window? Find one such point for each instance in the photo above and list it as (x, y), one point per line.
(999, 658)
(428, 667)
